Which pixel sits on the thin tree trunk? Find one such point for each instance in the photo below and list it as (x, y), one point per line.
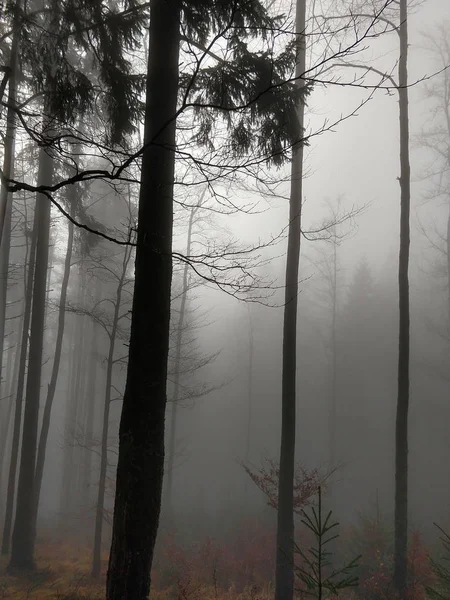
(56, 360)
(70, 468)
(333, 410)
(96, 563)
(5, 196)
(91, 387)
(284, 573)
(14, 342)
(69, 423)
(448, 264)
(10, 136)
(249, 388)
(82, 409)
(22, 555)
(248, 433)
(11, 387)
(4, 446)
(177, 369)
(401, 431)
(28, 293)
(141, 436)
(5, 429)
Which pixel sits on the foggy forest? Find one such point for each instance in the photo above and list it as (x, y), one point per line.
(224, 299)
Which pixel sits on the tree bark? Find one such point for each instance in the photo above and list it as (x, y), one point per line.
(22, 555)
(28, 292)
(284, 573)
(401, 431)
(141, 435)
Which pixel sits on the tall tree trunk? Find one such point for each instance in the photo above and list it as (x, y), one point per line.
(448, 263)
(6, 394)
(91, 386)
(284, 573)
(70, 465)
(96, 563)
(4, 435)
(22, 555)
(141, 436)
(82, 407)
(10, 137)
(10, 393)
(333, 408)
(401, 430)
(177, 370)
(69, 420)
(56, 360)
(28, 293)
(249, 387)
(5, 196)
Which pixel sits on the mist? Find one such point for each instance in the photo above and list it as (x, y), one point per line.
(146, 213)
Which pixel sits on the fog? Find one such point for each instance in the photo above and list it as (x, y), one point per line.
(225, 363)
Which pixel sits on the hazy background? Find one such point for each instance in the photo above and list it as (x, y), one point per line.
(358, 162)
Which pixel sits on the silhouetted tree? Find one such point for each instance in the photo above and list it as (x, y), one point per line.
(284, 574)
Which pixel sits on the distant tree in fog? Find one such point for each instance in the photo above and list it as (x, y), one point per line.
(326, 263)
(435, 137)
(396, 18)
(119, 312)
(18, 387)
(38, 58)
(181, 348)
(73, 198)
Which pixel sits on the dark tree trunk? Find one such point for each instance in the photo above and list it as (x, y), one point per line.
(22, 555)
(5, 197)
(141, 435)
(10, 392)
(284, 573)
(4, 433)
(448, 263)
(401, 431)
(4, 272)
(248, 435)
(333, 408)
(28, 292)
(6, 418)
(56, 360)
(97, 563)
(10, 137)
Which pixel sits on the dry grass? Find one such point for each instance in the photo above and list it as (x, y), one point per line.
(63, 573)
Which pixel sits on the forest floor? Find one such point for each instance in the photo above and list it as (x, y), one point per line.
(63, 573)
